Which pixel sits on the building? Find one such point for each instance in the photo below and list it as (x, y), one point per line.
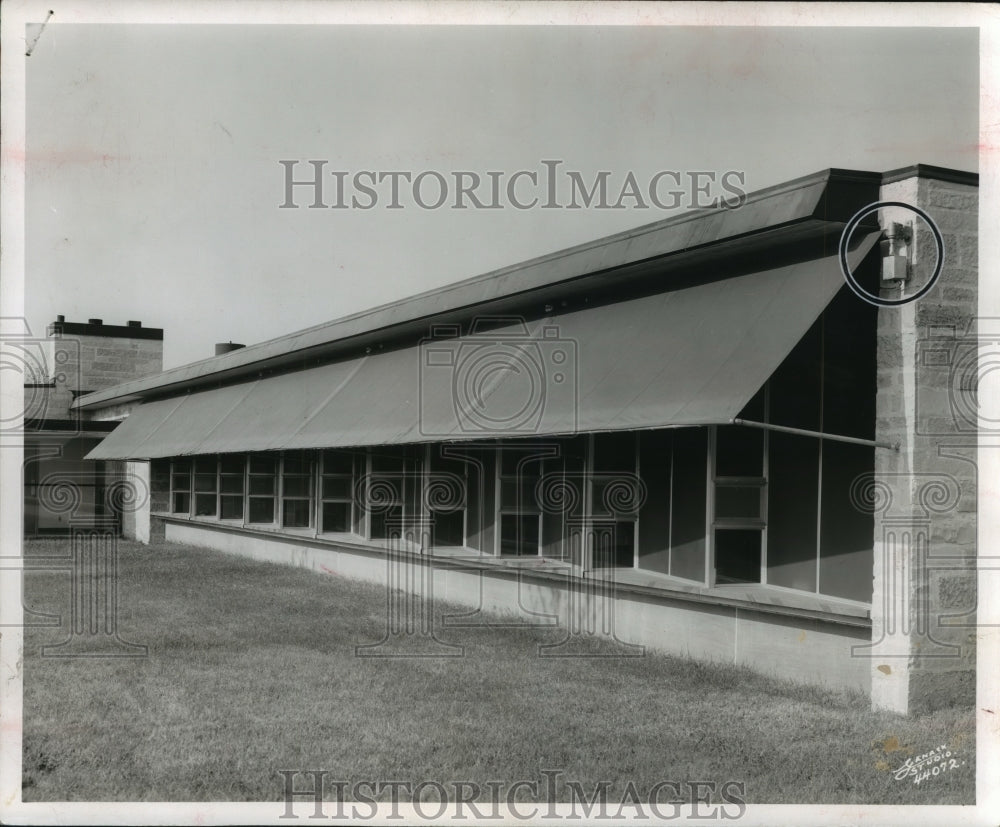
(61, 488)
(694, 436)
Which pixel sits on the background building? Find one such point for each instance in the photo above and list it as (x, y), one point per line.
(692, 436)
(77, 358)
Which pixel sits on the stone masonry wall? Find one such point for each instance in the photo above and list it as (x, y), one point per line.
(923, 609)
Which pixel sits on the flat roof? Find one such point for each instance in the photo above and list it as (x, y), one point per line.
(806, 208)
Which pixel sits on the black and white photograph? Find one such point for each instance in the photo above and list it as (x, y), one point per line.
(499, 413)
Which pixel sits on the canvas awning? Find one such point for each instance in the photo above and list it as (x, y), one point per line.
(691, 356)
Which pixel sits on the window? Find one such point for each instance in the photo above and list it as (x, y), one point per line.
(520, 514)
(296, 490)
(337, 492)
(385, 492)
(615, 498)
(447, 498)
(262, 488)
(180, 486)
(232, 473)
(206, 486)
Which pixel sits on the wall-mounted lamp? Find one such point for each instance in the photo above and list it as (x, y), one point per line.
(896, 253)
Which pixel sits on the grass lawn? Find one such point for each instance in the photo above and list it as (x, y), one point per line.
(251, 669)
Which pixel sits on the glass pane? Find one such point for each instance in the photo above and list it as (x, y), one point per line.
(387, 459)
(384, 490)
(297, 463)
(261, 485)
(614, 453)
(518, 494)
(846, 532)
(295, 513)
(737, 501)
(230, 484)
(525, 461)
(204, 482)
(232, 464)
(614, 493)
(206, 465)
(794, 398)
(339, 487)
(654, 468)
(687, 554)
(232, 508)
(449, 528)
(182, 482)
(336, 516)
(204, 505)
(614, 544)
(296, 486)
(386, 521)
(181, 466)
(261, 510)
(519, 534)
(337, 462)
(263, 464)
(739, 452)
(182, 503)
(737, 555)
(792, 490)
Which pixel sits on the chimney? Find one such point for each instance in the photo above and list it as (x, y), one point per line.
(134, 324)
(95, 321)
(226, 347)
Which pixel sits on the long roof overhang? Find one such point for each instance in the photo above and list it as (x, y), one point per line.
(807, 212)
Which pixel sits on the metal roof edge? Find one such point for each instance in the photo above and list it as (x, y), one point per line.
(258, 356)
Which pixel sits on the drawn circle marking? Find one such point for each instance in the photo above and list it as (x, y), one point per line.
(845, 237)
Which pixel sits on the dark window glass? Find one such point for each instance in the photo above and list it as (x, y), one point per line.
(337, 516)
(232, 464)
(793, 477)
(795, 385)
(295, 514)
(232, 507)
(206, 465)
(297, 463)
(261, 510)
(338, 462)
(180, 482)
(296, 486)
(263, 464)
(261, 485)
(182, 503)
(739, 452)
(654, 468)
(519, 534)
(737, 555)
(846, 531)
(687, 556)
(614, 453)
(737, 502)
(614, 544)
(385, 521)
(449, 528)
(337, 487)
(204, 482)
(231, 484)
(204, 505)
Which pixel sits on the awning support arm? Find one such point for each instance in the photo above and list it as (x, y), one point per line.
(818, 434)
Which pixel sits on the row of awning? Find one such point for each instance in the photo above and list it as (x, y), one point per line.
(690, 356)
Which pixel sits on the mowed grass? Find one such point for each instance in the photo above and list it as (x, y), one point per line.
(251, 669)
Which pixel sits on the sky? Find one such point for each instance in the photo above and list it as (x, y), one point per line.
(154, 180)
